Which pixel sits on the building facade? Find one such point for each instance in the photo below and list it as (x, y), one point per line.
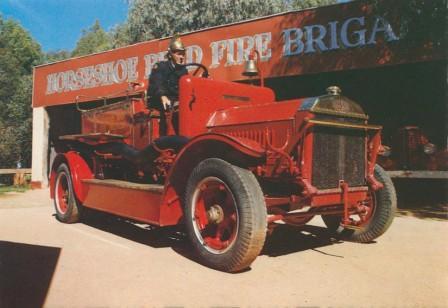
(399, 78)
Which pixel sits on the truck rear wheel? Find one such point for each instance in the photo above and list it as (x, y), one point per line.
(225, 215)
(381, 206)
(65, 202)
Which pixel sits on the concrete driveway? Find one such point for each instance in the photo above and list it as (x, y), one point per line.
(112, 263)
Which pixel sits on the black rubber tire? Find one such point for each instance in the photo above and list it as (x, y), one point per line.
(251, 215)
(381, 219)
(67, 206)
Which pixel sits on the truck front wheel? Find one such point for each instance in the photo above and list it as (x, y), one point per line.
(66, 205)
(381, 206)
(225, 215)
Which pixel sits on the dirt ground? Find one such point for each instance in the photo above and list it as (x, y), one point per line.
(106, 262)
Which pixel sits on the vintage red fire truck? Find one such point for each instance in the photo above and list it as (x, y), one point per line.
(240, 163)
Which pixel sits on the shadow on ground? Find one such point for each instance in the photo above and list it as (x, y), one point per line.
(282, 241)
(141, 233)
(156, 237)
(422, 198)
(287, 239)
(26, 272)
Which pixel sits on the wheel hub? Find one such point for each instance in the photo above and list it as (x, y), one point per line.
(215, 214)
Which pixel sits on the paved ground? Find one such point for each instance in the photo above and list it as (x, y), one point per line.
(106, 262)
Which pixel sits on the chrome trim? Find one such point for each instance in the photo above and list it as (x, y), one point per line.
(344, 114)
(344, 125)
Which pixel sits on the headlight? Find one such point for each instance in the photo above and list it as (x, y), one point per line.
(429, 148)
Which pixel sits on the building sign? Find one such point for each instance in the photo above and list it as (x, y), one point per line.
(288, 44)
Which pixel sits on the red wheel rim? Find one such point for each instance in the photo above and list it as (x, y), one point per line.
(214, 215)
(62, 193)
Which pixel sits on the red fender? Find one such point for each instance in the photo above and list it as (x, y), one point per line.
(79, 170)
(232, 149)
(244, 145)
(199, 148)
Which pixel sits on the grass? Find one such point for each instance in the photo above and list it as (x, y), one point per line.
(5, 189)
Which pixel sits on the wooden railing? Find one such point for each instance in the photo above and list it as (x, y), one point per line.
(19, 174)
(14, 171)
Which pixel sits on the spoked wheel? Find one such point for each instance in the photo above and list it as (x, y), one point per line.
(66, 205)
(215, 215)
(374, 216)
(225, 215)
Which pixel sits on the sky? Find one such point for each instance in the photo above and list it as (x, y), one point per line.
(58, 24)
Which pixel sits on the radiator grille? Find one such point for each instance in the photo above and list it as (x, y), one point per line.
(338, 154)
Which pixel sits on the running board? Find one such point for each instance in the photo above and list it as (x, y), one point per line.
(141, 202)
(126, 185)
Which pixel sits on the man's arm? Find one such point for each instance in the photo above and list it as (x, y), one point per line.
(156, 87)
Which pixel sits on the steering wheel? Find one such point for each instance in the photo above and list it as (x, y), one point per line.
(199, 66)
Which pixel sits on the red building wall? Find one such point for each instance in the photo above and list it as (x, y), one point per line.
(334, 38)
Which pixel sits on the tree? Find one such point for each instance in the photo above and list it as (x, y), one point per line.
(20, 44)
(150, 19)
(93, 40)
(58, 55)
(120, 35)
(18, 54)
(301, 4)
(421, 22)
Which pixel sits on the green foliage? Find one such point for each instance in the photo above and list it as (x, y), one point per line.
(18, 54)
(55, 56)
(7, 189)
(301, 4)
(120, 35)
(150, 19)
(93, 40)
(20, 45)
(421, 21)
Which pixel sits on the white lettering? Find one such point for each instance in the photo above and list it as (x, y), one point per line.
(231, 52)
(217, 48)
(235, 51)
(262, 42)
(152, 59)
(61, 82)
(310, 30)
(333, 35)
(361, 34)
(194, 54)
(131, 64)
(51, 81)
(351, 34)
(93, 76)
(381, 25)
(245, 45)
(293, 42)
(107, 73)
(120, 71)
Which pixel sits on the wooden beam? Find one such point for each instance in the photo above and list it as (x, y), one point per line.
(418, 174)
(14, 171)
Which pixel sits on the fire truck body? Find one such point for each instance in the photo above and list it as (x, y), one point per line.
(241, 163)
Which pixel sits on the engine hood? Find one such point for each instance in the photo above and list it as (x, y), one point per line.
(336, 105)
(268, 112)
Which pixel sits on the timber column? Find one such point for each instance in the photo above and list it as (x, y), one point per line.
(39, 162)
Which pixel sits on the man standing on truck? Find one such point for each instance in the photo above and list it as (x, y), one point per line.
(163, 89)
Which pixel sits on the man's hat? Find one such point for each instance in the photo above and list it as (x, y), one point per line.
(176, 44)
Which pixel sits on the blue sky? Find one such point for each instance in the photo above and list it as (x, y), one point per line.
(57, 24)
